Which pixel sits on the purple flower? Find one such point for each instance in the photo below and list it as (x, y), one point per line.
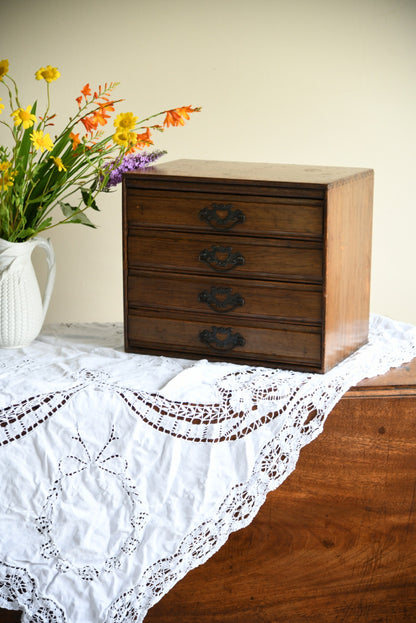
(131, 162)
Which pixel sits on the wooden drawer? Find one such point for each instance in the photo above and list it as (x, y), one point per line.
(300, 303)
(231, 340)
(265, 216)
(248, 257)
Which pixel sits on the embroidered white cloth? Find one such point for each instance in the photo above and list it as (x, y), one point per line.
(121, 472)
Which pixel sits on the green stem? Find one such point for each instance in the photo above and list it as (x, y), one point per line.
(48, 105)
(11, 130)
(16, 93)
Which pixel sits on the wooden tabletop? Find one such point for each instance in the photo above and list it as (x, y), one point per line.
(401, 380)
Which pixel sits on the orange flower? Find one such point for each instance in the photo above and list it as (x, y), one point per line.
(100, 116)
(86, 90)
(79, 100)
(100, 90)
(143, 140)
(176, 116)
(185, 110)
(75, 140)
(173, 118)
(90, 123)
(107, 105)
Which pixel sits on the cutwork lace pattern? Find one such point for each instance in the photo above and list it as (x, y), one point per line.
(290, 406)
(236, 511)
(247, 399)
(114, 468)
(18, 590)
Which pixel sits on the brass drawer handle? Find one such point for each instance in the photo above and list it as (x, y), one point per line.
(221, 338)
(221, 299)
(221, 258)
(222, 215)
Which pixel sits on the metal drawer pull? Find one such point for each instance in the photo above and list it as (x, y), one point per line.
(222, 215)
(221, 299)
(221, 338)
(221, 258)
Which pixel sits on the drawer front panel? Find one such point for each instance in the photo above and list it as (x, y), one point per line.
(227, 340)
(265, 259)
(262, 215)
(225, 297)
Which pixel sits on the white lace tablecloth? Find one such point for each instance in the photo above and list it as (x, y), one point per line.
(121, 472)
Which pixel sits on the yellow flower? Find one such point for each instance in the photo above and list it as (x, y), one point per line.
(24, 117)
(59, 163)
(125, 121)
(1, 106)
(41, 141)
(125, 138)
(47, 73)
(4, 68)
(6, 176)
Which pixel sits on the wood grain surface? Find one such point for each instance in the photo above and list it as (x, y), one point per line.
(347, 268)
(249, 173)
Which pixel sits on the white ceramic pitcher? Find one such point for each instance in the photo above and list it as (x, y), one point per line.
(22, 309)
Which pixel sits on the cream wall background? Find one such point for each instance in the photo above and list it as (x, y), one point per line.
(329, 82)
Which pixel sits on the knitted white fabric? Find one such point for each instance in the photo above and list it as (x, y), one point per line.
(119, 472)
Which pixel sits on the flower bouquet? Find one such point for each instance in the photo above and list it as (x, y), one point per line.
(42, 174)
(47, 181)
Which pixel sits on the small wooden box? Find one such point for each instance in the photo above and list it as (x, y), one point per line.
(261, 264)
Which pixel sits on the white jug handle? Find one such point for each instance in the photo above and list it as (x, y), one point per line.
(50, 258)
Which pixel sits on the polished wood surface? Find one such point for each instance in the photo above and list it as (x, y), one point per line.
(266, 216)
(263, 259)
(10, 616)
(347, 268)
(277, 225)
(302, 344)
(336, 542)
(269, 174)
(261, 299)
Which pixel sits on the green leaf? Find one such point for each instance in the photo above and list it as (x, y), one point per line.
(74, 215)
(26, 233)
(46, 174)
(44, 224)
(22, 155)
(89, 200)
(67, 209)
(83, 219)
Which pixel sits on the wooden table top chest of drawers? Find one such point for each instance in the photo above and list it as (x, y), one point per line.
(261, 264)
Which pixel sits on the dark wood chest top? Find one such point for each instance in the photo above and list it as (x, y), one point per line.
(262, 264)
(251, 173)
